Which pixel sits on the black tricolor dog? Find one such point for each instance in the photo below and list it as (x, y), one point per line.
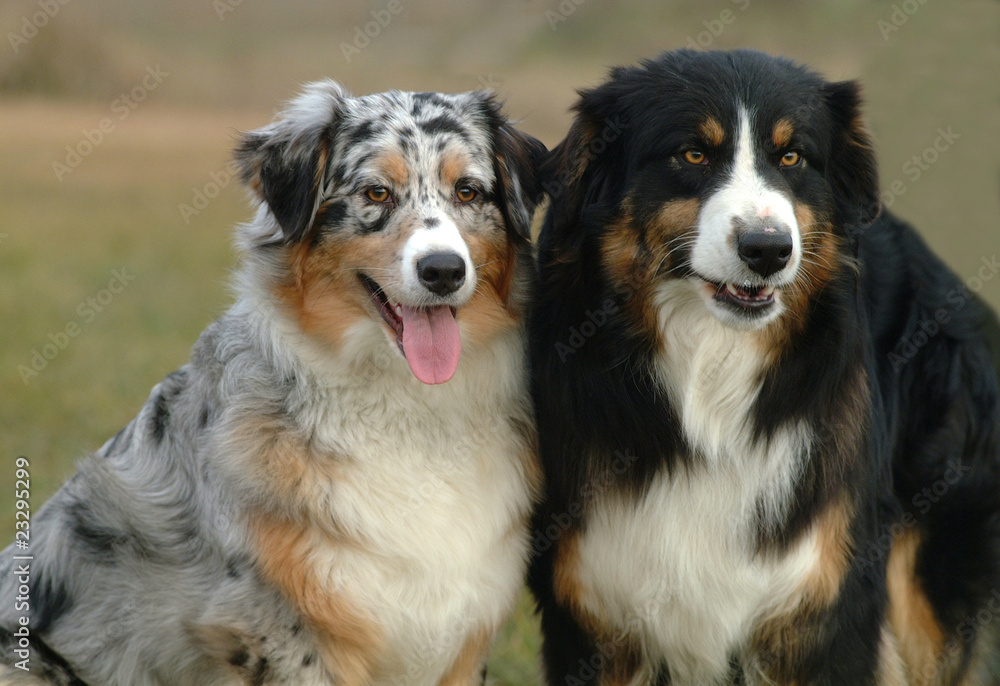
(769, 419)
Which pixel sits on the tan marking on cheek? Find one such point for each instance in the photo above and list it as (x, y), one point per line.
(712, 132)
(674, 219)
(321, 288)
(285, 553)
(821, 260)
(781, 136)
(921, 639)
(629, 269)
(490, 312)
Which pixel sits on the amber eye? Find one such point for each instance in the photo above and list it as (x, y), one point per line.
(695, 157)
(466, 193)
(378, 194)
(790, 159)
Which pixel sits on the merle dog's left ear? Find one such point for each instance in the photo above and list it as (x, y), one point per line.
(516, 158)
(852, 168)
(285, 161)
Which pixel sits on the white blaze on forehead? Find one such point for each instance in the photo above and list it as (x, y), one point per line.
(745, 197)
(443, 237)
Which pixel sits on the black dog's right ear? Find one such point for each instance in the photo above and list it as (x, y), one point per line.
(575, 174)
(852, 169)
(284, 162)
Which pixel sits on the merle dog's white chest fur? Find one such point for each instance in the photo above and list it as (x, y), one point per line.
(434, 492)
(677, 567)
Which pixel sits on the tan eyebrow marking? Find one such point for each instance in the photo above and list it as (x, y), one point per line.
(712, 131)
(782, 134)
(395, 168)
(453, 167)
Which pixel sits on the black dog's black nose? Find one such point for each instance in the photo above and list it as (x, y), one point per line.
(442, 273)
(765, 251)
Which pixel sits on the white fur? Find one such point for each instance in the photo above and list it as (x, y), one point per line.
(678, 567)
(445, 237)
(434, 488)
(747, 196)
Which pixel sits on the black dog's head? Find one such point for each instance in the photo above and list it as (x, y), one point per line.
(738, 177)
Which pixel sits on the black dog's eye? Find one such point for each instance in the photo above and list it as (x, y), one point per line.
(695, 157)
(790, 158)
(466, 193)
(379, 194)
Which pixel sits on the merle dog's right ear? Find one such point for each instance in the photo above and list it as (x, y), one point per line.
(284, 163)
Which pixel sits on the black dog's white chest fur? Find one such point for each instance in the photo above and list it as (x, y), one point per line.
(678, 564)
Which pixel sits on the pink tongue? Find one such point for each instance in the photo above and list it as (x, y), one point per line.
(431, 342)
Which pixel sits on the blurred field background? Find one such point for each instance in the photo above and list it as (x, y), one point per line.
(225, 66)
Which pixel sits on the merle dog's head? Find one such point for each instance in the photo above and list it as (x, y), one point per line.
(737, 174)
(403, 216)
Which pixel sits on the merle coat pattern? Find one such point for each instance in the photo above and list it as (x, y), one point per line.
(293, 506)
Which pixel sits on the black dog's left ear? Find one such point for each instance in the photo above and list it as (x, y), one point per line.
(852, 169)
(516, 158)
(284, 162)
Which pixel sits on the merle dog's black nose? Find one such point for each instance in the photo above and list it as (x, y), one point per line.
(442, 273)
(765, 251)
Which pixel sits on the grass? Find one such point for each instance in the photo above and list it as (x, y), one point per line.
(61, 240)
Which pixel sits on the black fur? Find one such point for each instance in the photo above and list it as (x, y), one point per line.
(49, 600)
(516, 157)
(284, 169)
(883, 430)
(45, 663)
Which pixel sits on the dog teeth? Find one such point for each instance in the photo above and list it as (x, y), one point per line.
(399, 311)
(748, 290)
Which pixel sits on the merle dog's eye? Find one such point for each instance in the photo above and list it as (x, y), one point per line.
(790, 159)
(695, 157)
(379, 194)
(466, 193)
